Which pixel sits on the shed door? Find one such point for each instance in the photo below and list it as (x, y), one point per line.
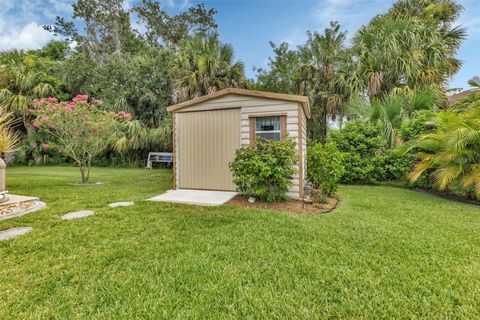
(207, 141)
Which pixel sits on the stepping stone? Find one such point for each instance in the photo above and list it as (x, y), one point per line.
(14, 232)
(121, 204)
(77, 214)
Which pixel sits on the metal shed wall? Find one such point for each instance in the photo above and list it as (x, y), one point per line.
(205, 112)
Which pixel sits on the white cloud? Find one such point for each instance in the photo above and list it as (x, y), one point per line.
(351, 14)
(21, 22)
(294, 38)
(31, 36)
(176, 4)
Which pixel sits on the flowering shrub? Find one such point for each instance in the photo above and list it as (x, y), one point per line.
(78, 129)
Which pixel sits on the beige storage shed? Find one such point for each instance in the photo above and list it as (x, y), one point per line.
(208, 130)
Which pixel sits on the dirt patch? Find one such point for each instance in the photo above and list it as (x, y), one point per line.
(9, 208)
(291, 206)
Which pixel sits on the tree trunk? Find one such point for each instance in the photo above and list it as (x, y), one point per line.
(318, 124)
(82, 172)
(89, 164)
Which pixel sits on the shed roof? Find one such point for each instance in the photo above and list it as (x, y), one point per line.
(457, 96)
(244, 92)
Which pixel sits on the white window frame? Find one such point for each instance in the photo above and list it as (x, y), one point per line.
(279, 131)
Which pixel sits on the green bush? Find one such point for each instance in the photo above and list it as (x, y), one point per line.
(401, 162)
(362, 145)
(416, 126)
(394, 165)
(324, 167)
(265, 172)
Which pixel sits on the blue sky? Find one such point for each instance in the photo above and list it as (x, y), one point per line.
(247, 25)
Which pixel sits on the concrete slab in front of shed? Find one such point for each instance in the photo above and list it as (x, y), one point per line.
(196, 197)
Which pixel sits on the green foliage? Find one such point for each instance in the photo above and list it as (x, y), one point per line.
(450, 152)
(362, 145)
(172, 29)
(20, 83)
(139, 84)
(394, 165)
(205, 65)
(324, 167)
(37, 151)
(325, 63)
(9, 139)
(411, 128)
(412, 45)
(266, 171)
(392, 111)
(367, 159)
(282, 74)
(319, 69)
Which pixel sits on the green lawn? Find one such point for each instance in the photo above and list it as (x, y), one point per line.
(384, 253)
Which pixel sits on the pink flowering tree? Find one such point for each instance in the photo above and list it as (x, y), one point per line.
(78, 129)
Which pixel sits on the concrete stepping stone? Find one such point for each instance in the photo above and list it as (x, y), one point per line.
(121, 204)
(14, 232)
(77, 214)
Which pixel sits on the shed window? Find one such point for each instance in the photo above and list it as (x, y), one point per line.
(268, 128)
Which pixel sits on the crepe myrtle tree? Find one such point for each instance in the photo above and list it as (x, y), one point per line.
(78, 129)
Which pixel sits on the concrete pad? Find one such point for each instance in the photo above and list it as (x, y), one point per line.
(77, 214)
(12, 198)
(121, 204)
(14, 232)
(196, 197)
(20, 212)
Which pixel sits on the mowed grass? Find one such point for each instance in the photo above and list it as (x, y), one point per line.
(384, 253)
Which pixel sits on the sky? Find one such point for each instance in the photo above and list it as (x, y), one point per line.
(248, 25)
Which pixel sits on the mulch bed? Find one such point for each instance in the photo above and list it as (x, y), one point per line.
(9, 208)
(449, 196)
(290, 206)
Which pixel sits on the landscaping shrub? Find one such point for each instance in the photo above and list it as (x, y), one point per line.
(395, 165)
(402, 160)
(265, 171)
(362, 145)
(416, 126)
(324, 167)
(450, 153)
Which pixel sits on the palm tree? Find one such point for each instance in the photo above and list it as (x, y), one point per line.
(393, 110)
(452, 151)
(9, 140)
(19, 85)
(322, 76)
(411, 45)
(205, 65)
